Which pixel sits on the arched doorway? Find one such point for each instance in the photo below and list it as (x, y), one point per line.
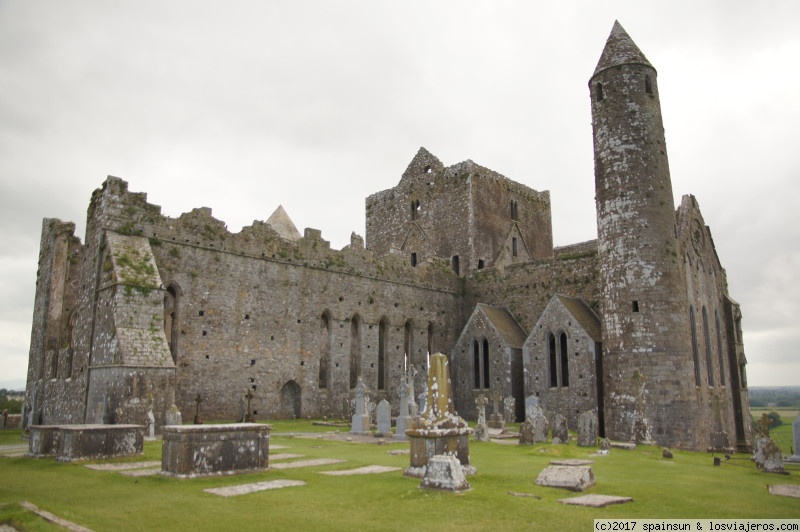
(290, 400)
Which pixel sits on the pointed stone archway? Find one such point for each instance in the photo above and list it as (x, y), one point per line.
(290, 400)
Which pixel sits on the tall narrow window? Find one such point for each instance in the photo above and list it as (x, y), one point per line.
(485, 363)
(648, 85)
(514, 210)
(414, 209)
(382, 354)
(514, 246)
(414, 259)
(456, 265)
(694, 347)
(171, 320)
(430, 338)
(707, 341)
(564, 360)
(481, 264)
(355, 351)
(408, 344)
(598, 92)
(552, 358)
(476, 363)
(719, 350)
(324, 351)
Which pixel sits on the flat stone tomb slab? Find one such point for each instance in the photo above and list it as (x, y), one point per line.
(787, 490)
(571, 462)
(123, 466)
(505, 441)
(366, 470)
(284, 456)
(306, 463)
(596, 501)
(574, 478)
(243, 489)
(278, 447)
(141, 472)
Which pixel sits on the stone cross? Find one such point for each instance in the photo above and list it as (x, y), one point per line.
(361, 407)
(481, 403)
(198, 400)
(495, 403)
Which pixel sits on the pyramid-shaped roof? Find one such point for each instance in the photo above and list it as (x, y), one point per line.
(620, 50)
(283, 225)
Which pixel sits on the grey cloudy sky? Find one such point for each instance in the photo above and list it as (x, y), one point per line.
(242, 106)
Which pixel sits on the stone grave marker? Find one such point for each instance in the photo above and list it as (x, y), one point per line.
(509, 406)
(481, 431)
(360, 420)
(560, 430)
(384, 421)
(768, 456)
(587, 429)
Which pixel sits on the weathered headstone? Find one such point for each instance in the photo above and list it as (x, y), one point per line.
(496, 420)
(481, 431)
(767, 456)
(587, 429)
(605, 446)
(509, 409)
(530, 401)
(404, 417)
(539, 424)
(444, 472)
(666, 453)
(173, 416)
(526, 433)
(384, 418)
(360, 420)
(560, 429)
(151, 425)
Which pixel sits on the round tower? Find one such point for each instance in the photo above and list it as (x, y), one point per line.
(648, 374)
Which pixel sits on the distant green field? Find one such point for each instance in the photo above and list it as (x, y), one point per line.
(688, 486)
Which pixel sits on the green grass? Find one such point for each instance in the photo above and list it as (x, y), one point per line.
(689, 486)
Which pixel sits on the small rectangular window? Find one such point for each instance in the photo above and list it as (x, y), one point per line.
(514, 246)
(636, 306)
(414, 259)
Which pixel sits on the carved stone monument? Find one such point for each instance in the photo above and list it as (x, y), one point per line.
(444, 472)
(509, 409)
(360, 420)
(496, 421)
(767, 456)
(481, 431)
(439, 429)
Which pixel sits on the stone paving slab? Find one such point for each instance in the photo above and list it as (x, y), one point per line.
(69, 525)
(787, 490)
(123, 466)
(243, 489)
(306, 463)
(284, 456)
(366, 470)
(141, 472)
(506, 441)
(399, 451)
(596, 501)
(278, 447)
(571, 462)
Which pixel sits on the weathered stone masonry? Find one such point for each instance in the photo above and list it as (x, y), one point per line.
(151, 310)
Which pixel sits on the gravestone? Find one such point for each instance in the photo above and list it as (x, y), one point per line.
(509, 409)
(481, 431)
(384, 419)
(539, 424)
(587, 429)
(605, 446)
(413, 407)
(173, 416)
(151, 425)
(404, 418)
(560, 430)
(526, 433)
(360, 420)
(796, 432)
(444, 472)
(496, 421)
(768, 456)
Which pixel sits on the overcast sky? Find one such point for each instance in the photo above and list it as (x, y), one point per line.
(244, 106)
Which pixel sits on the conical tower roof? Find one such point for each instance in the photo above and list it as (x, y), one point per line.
(620, 50)
(283, 225)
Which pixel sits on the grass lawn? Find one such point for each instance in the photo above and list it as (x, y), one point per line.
(688, 486)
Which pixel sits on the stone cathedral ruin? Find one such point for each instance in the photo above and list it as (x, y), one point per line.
(150, 311)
